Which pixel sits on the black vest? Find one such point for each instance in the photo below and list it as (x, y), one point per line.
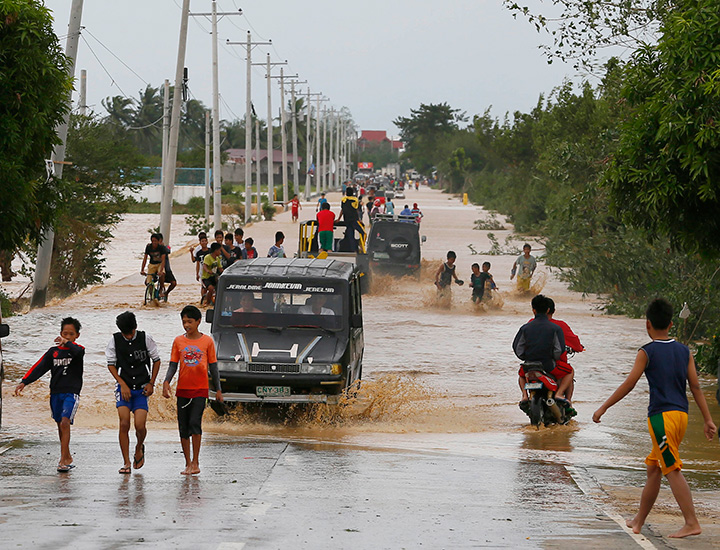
(133, 360)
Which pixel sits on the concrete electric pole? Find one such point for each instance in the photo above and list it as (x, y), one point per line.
(44, 255)
(169, 172)
(249, 44)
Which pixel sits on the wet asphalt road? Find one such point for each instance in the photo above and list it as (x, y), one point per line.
(273, 493)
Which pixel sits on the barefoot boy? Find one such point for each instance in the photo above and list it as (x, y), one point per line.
(65, 363)
(668, 366)
(194, 353)
(129, 355)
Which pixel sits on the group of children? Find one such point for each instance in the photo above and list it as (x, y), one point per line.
(134, 363)
(480, 281)
(210, 261)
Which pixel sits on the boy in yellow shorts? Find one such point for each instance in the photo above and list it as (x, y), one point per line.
(668, 366)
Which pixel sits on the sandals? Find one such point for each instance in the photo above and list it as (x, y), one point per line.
(124, 470)
(139, 462)
(65, 468)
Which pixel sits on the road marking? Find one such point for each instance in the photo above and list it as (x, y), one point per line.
(231, 546)
(585, 486)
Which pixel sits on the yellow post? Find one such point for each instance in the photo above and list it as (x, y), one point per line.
(465, 199)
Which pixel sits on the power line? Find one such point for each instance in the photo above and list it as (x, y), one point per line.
(103, 66)
(116, 57)
(146, 126)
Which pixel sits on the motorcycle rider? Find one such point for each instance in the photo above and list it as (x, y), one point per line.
(572, 341)
(542, 341)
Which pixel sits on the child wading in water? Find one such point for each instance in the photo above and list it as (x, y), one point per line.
(668, 367)
(478, 281)
(194, 353)
(65, 363)
(445, 275)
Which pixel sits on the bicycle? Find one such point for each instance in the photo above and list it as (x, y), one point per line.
(153, 290)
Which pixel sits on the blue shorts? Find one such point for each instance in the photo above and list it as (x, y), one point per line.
(64, 405)
(138, 400)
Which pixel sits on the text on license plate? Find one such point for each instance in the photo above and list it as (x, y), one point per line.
(529, 386)
(272, 391)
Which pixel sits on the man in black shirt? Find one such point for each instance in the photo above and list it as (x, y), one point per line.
(539, 340)
(350, 212)
(157, 253)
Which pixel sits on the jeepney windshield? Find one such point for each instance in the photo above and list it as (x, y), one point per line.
(282, 305)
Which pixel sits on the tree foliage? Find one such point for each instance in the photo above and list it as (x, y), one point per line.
(425, 131)
(35, 89)
(580, 29)
(664, 176)
(105, 163)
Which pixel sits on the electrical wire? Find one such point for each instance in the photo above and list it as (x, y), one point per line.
(116, 57)
(103, 66)
(146, 126)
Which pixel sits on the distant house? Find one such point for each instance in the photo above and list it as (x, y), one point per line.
(374, 138)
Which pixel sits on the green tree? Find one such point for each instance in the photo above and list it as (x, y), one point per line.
(579, 29)
(105, 163)
(425, 132)
(664, 176)
(35, 89)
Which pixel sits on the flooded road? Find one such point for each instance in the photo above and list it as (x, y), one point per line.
(434, 440)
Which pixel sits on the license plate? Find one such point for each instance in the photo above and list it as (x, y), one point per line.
(529, 386)
(272, 391)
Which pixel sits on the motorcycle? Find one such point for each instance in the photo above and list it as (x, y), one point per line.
(542, 407)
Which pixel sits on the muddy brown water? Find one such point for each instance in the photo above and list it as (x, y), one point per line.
(435, 374)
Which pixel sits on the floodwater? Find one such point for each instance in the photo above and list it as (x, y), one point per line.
(437, 377)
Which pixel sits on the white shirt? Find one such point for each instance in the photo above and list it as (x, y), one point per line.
(111, 354)
(307, 310)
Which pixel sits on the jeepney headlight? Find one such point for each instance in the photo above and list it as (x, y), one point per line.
(232, 366)
(316, 368)
(336, 368)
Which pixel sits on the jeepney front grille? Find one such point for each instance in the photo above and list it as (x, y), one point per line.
(284, 368)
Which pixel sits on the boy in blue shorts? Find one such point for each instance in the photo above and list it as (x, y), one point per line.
(668, 366)
(65, 363)
(129, 355)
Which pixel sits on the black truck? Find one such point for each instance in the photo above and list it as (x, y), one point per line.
(288, 330)
(394, 245)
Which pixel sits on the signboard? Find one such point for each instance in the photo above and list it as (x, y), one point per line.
(365, 165)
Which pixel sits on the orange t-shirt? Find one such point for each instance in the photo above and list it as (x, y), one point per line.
(193, 358)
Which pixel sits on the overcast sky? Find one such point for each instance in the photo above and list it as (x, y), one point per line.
(380, 58)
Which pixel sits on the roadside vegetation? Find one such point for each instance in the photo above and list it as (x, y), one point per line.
(620, 178)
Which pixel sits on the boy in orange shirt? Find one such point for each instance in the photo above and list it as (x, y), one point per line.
(194, 353)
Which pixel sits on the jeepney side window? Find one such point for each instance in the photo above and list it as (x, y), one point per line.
(357, 303)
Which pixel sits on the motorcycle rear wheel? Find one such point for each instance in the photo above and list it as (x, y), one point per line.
(536, 410)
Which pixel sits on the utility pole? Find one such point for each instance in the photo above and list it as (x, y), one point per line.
(331, 172)
(169, 171)
(270, 159)
(217, 167)
(217, 182)
(165, 138)
(82, 104)
(249, 44)
(317, 143)
(283, 133)
(207, 168)
(308, 146)
(257, 166)
(317, 146)
(44, 255)
(324, 151)
(296, 183)
(283, 138)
